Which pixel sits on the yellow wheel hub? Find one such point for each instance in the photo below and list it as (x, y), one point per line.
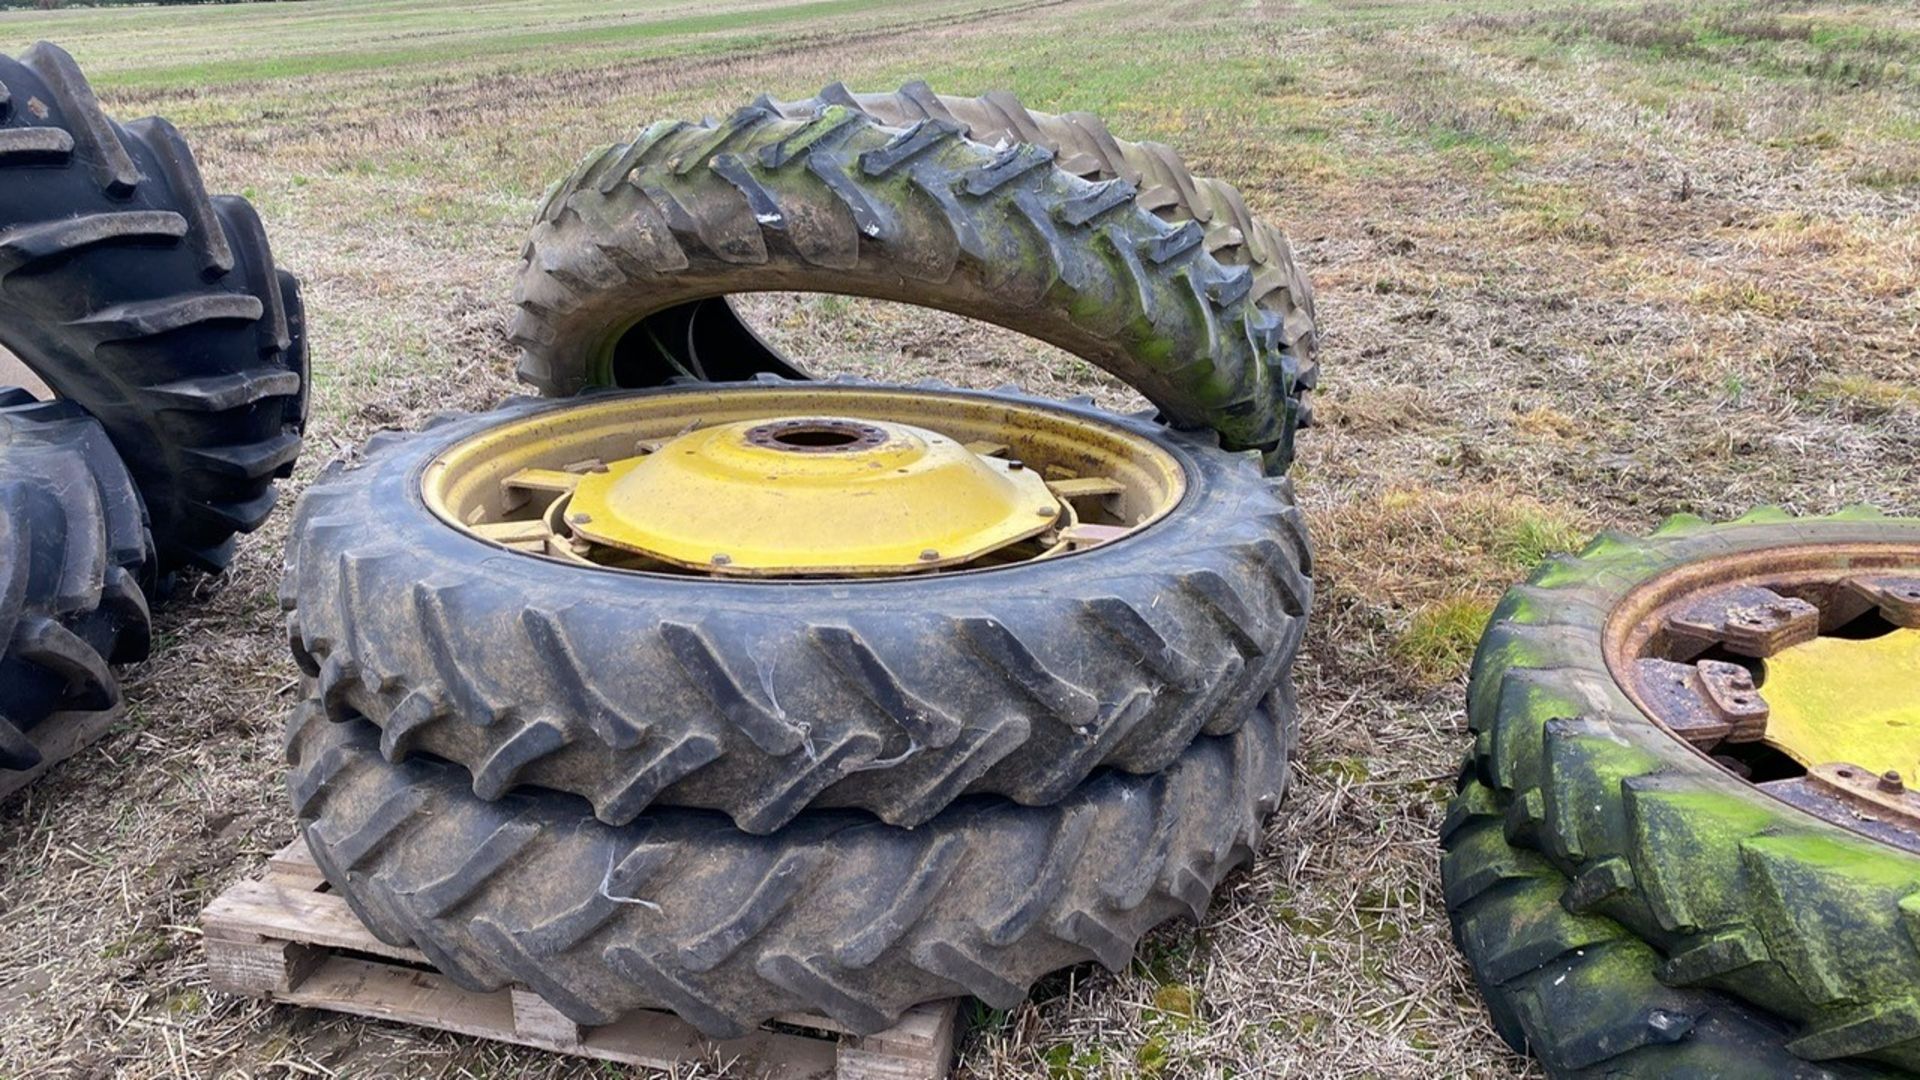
(812, 495)
(1855, 701)
(802, 481)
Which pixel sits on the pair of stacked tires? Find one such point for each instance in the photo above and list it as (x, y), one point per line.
(175, 358)
(735, 799)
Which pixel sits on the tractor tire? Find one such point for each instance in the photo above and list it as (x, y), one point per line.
(1730, 887)
(759, 699)
(839, 914)
(627, 268)
(74, 550)
(1580, 992)
(129, 291)
(1082, 145)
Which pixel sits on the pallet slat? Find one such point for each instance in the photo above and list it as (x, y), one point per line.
(285, 938)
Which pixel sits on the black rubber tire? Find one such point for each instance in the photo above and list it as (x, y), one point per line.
(1083, 145)
(838, 914)
(1580, 992)
(74, 553)
(759, 699)
(648, 236)
(127, 289)
(1733, 889)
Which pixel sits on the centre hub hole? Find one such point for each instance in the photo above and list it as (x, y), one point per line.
(814, 438)
(817, 435)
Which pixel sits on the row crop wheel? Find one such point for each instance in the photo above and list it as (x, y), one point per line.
(837, 914)
(627, 269)
(1082, 144)
(157, 308)
(767, 597)
(1691, 756)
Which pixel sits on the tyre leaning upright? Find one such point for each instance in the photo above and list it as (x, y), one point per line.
(627, 269)
(157, 308)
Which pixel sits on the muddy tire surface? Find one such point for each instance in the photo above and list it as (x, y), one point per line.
(759, 699)
(628, 265)
(1624, 836)
(838, 915)
(129, 290)
(1083, 145)
(74, 551)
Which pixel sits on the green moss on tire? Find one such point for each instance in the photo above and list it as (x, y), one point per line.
(1730, 889)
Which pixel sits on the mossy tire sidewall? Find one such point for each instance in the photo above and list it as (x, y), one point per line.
(1738, 890)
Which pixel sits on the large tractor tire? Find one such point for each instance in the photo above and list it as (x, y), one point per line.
(628, 266)
(1082, 145)
(1634, 710)
(759, 698)
(127, 289)
(1580, 992)
(839, 914)
(74, 549)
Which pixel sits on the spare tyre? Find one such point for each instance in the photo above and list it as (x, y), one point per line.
(1579, 992)
(1082, 145)
(627, 268)
(838, 914)
(757, 598)
(74, 549)
(1707, 733)
(127, 289)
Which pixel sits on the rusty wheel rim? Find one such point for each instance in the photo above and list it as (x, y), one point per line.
(1694, 650)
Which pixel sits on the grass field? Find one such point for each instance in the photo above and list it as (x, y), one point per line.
(1579, 266)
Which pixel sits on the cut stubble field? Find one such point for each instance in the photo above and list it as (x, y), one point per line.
(1578, 267)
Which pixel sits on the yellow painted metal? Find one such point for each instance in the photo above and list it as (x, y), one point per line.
(812, 495)
(508, 482)
(1848, 700)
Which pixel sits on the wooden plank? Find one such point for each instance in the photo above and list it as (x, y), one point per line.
(294, 863)
(260, 968)
(533, 1017)
(429, 999)
(919, 1047)
(275, 911)
(58, 738)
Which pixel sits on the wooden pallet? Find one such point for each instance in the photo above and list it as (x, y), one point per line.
(286, 937)
(58, 738)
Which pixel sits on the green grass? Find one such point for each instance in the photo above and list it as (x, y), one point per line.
(1440, 637)
(663, 36)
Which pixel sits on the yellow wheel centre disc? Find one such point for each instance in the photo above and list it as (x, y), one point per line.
(1844, 700)
(812, 495)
